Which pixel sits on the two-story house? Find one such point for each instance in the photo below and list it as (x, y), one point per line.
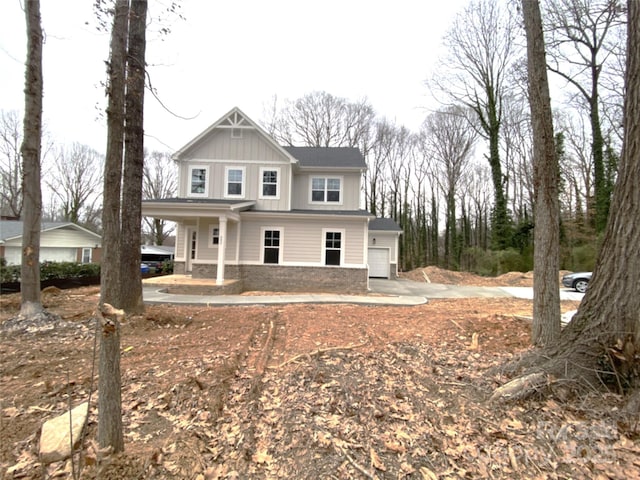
(274, 218)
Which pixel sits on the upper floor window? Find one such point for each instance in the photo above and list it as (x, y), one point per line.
(234, 182)
(198, 181)
(326, 190)
(270, 186)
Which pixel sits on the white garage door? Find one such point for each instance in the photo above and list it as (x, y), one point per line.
(379, 262)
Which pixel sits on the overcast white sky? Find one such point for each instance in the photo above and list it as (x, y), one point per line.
(231, 53)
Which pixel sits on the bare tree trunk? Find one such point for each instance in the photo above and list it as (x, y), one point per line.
(546, 258)
(110, 268)
(109, 397)
(130, 280)
(31, 146)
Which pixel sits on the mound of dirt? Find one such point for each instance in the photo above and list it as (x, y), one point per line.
(448, 277)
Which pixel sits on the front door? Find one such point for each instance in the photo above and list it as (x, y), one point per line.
(192, 247)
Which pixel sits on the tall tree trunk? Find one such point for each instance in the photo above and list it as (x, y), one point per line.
(110, 265)
(130, 280)
(109, 398)
(546, 261)
(31, 146)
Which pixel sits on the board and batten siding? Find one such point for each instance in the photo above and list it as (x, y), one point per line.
(220, 145)
(250, 152)
(302, 241)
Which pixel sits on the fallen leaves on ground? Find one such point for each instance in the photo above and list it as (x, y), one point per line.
(311, 391)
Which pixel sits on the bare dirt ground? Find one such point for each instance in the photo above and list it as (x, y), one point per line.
(310, 392)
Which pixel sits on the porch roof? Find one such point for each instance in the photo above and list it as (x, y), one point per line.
(177, 209)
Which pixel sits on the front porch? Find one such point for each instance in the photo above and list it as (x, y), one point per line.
(187, 285)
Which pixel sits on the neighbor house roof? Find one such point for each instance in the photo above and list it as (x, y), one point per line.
(384, 224)
(10, 229)
(157, 249)
(333, 157)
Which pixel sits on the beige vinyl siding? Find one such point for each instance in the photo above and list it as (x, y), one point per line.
(386, 240)
(208, 253)
(350, 191)
(302, 241)
(181, 245)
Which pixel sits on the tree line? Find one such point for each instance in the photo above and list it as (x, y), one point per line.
(461, 187)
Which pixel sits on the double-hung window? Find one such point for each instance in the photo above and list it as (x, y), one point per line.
(198, 181)
(271, 246)
(235, 182)
(269, 178)
(332, 248)
(326, 190)
(214, 236)
(86, 255)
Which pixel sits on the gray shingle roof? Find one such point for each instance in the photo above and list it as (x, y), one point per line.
(332, 157)
(384, 224)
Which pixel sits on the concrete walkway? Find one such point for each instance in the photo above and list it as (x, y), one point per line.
(154, 294)
(383, 292)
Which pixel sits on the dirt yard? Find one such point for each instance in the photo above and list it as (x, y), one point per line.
(309, 392)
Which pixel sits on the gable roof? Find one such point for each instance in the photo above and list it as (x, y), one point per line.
(384, 224)
(331, 157)
(11, 229)
(234, 118)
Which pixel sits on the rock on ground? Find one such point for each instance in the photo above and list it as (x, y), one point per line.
(55, 444)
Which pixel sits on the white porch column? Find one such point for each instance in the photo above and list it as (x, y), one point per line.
(222, 247)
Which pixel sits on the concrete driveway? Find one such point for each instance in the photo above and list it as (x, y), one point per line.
(405, 287)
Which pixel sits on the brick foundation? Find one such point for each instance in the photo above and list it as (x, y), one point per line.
(276, 278)
(179, 268)
(304, 279)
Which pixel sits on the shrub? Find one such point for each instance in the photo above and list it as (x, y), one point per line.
(167, 267)
(490, 263)
(9, 273)
(51, 271)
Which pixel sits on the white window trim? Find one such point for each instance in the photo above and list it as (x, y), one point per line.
(206, 181)
(84, 249)
(226, 181)
(210, 243)
(326, 178)
(261, 195)
(280, 248)
(342, 232)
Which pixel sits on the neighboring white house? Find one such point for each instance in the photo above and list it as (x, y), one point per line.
(273, 217)
(59, 242)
